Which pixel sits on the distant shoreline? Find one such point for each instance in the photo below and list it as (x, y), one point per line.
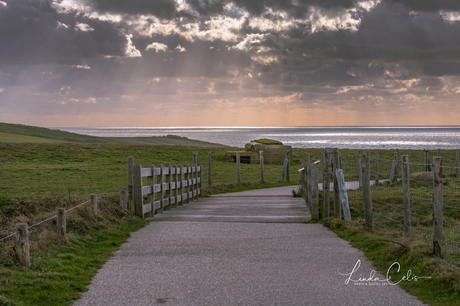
(170, 140)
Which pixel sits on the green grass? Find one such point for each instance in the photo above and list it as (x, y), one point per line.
(267, 141)
(59, 272)
(48, 135)
(34, 175)
(10, 137)
(443, 288)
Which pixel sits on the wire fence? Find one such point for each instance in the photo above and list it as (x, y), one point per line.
(390, 201)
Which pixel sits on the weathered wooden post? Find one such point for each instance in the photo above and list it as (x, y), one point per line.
(180, 182)
(406, 195)
(343, 195)
(173, 186)
(303, 180)
(360, 170)
(439, 152)
(167, 172)
(238, 175)
(22, 244)
(437, 207)
(161, 192)
(185, 184)
(200, 183)
(368, 214)
(209, 168)
(190, 183)
(335, 166)
(288, 169)
(376, 167)
(61, 224)
(131, 184)
(457, 155)
(123, 198)
(261, 154)
(93, 205)
(195, 181)
(326, 186)
(314, 207)
(307, 180)
(397, 164)
(426, 160)
(137, 191)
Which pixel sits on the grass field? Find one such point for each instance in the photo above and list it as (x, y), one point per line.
(36, 178)
(15, 138)
(49, 135)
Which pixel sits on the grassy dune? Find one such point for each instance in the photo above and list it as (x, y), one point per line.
(16, 138)
(21, 133)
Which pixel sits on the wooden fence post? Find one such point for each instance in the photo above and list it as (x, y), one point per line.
(406, 195)
(457, 155)
(439, 152)
(123, 198)
(314, 207)
(176, 185)
(167, 182)
(360, 170)
(437, 207)
(161, 193)
(397, 164)
(93, 205)
(326, 186)
(61, 224)
(368, 215)
(180, 181)
(209, 168)
(137, 191)
(335, 166)
(376, 167)
(307, 181)
(190, 183)
(261, 154)
(343, 195)
(22, 244)
(131, 184)
(288, 169)
(238, 175)
(195, 180)
(426, 160)
(200, 185)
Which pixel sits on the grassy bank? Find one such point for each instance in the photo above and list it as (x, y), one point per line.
(60, 271)
(441, 288)
(32, 134)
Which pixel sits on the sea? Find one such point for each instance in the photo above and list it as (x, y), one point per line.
(390, 137)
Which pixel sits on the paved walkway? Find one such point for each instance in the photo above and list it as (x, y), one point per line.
(216, 259)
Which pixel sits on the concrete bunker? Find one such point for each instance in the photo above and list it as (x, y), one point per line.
(273, 153)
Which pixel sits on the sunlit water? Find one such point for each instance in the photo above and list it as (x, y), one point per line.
(302, 137)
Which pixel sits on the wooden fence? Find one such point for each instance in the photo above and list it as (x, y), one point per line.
(167, 187)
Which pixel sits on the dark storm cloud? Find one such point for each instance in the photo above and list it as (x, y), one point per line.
(31, 31)
(429, 5)
(317, 50)
(165, 9)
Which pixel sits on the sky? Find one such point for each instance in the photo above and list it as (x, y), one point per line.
(70, 63)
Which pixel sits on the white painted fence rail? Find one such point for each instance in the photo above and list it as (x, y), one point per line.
(167, 187)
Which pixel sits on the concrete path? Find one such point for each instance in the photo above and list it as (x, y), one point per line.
(239, 263)
(274, 205)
